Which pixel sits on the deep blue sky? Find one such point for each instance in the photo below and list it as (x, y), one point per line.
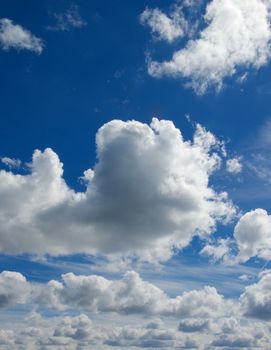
(88, 76)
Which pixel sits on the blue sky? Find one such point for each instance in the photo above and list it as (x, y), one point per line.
(168, 221)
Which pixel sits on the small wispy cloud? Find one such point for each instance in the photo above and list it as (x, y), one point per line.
(11, 163)
(67, 20)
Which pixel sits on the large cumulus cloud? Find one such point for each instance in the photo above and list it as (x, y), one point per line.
(148, 192)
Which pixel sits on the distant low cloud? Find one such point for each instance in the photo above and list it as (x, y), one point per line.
(67, 20)
(14, 36)
(214, 320)
(236, 36)
(147, 195)
(130, 295)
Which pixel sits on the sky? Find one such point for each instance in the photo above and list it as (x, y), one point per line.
(135, 174)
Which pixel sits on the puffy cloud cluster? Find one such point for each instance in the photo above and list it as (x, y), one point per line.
(202, 312)
(16, 37)
(73, 332)
(148, 192)
(130, 295)
(164, 27)
(236, 36)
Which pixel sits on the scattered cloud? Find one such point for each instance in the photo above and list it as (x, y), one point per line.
(164, 27)
(14, 36)
(148, 194)
(251, 239)
(234, 165)
(11, 162)
(68, 20)
(236, 37)
(219, 251)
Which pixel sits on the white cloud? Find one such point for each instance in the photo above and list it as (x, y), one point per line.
(253, 235)
(251, 239)
(234, 165)
(237, 35)
(164, 27)
(16, 37)
(148, 192)
(129, 295)
(221, 250)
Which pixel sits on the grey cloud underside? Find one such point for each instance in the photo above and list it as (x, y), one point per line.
(202, 318)
(148, 192)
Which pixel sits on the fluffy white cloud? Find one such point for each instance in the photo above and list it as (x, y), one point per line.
(130, 295)
(234, 165)
(148, 192)
(237, 35)
(164, 27)
(253, 235)
(256, 300)
(15, 36)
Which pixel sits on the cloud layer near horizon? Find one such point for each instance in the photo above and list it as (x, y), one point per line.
(203, 313)
(148, 192)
